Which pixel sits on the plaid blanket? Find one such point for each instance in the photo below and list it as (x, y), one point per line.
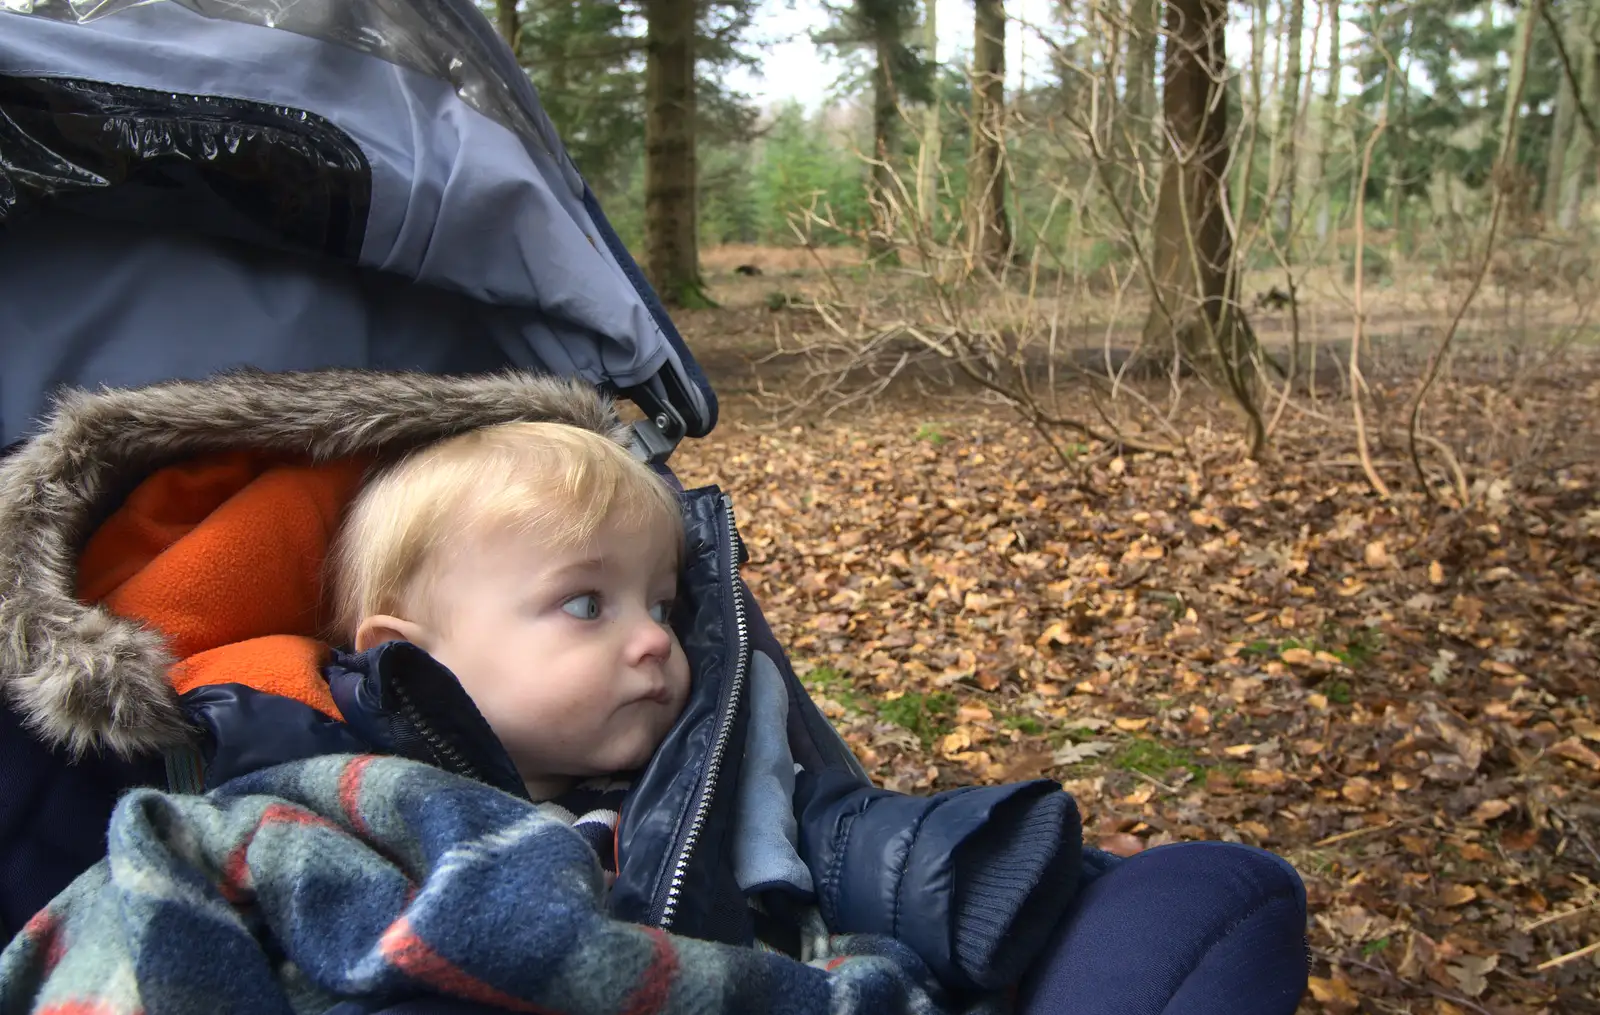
(379, 879)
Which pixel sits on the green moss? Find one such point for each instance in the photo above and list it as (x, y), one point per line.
(827, 682)
(1360, 645)
(926, 715)
(1174, 603)
(1024, 724)
(1072, 734)
(1267, 649)
(1154, 758)
(1354, 648)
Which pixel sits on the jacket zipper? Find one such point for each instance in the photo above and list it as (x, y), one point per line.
(445, 755)
(719, 746)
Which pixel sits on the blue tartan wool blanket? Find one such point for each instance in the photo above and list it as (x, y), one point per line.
(380, 879)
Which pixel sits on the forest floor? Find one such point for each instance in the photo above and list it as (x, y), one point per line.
(1401, 698)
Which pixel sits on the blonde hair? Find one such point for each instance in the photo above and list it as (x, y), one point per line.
(556, 482)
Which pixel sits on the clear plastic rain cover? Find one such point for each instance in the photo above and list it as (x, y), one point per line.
(70, 141)
(440, 38)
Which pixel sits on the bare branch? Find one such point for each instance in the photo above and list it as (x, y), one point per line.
(1566, 69)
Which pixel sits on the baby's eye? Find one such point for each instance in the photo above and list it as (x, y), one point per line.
(661, 611)
(584, 607)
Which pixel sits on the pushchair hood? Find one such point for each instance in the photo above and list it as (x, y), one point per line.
(191, 185)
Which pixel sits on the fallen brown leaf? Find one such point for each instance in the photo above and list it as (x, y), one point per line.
(1471, 973)
(1121, 844)
(1572, 750)
(1377, 555)
(971, 712)
(1358, 790)
(1335, 993)
(1489, 810)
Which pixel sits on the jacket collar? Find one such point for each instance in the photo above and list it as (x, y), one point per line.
(401, 700)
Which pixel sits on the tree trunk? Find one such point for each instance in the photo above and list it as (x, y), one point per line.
(986, 182)
(1244, 171)
(1089, 66)
(672, 258)
(1106, 48)
(928, 172)
(1396, 139)
(1140, 99)
(1578, 165)
(1289, 124)
(1561, 125)
(1192, 314)
(510, 25)
(885, 114)
(1330, 117)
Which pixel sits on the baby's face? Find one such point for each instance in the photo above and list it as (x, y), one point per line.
(567, 653)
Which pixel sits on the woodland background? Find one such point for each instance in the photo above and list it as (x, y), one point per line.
(1209, 423)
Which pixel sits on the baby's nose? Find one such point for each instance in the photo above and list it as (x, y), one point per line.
(652, 639)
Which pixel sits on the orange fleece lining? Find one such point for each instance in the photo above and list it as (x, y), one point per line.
(224, 556)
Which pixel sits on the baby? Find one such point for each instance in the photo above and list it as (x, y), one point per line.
(538, 563)
(508, 594)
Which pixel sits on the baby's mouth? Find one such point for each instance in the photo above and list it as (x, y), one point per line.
(661, 694)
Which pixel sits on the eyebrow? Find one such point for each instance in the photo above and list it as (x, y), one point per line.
(586, 564)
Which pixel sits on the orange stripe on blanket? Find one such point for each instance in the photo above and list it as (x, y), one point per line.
(350, 793)
(224, 556)
(87, 1008)
(289, 814)
(235, 883)
(656, 984)
(44, 929)
(407, 952)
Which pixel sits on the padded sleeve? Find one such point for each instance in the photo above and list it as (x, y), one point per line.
(973, 879)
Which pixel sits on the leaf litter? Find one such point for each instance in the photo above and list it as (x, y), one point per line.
(1401, 700)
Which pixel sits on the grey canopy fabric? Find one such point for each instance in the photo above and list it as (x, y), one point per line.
(189, 185)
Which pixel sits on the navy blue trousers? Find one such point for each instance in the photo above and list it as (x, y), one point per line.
(1193, 928)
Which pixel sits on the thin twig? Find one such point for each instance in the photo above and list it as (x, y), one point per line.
(1561, 960)
(1152, 780)
(1359, 832)
(1550, 918)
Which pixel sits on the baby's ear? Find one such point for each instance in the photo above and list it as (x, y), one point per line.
(376, 630)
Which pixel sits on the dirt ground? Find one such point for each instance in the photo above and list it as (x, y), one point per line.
(1401, 696)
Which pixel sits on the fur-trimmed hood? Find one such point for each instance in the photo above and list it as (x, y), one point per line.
(86, 679)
